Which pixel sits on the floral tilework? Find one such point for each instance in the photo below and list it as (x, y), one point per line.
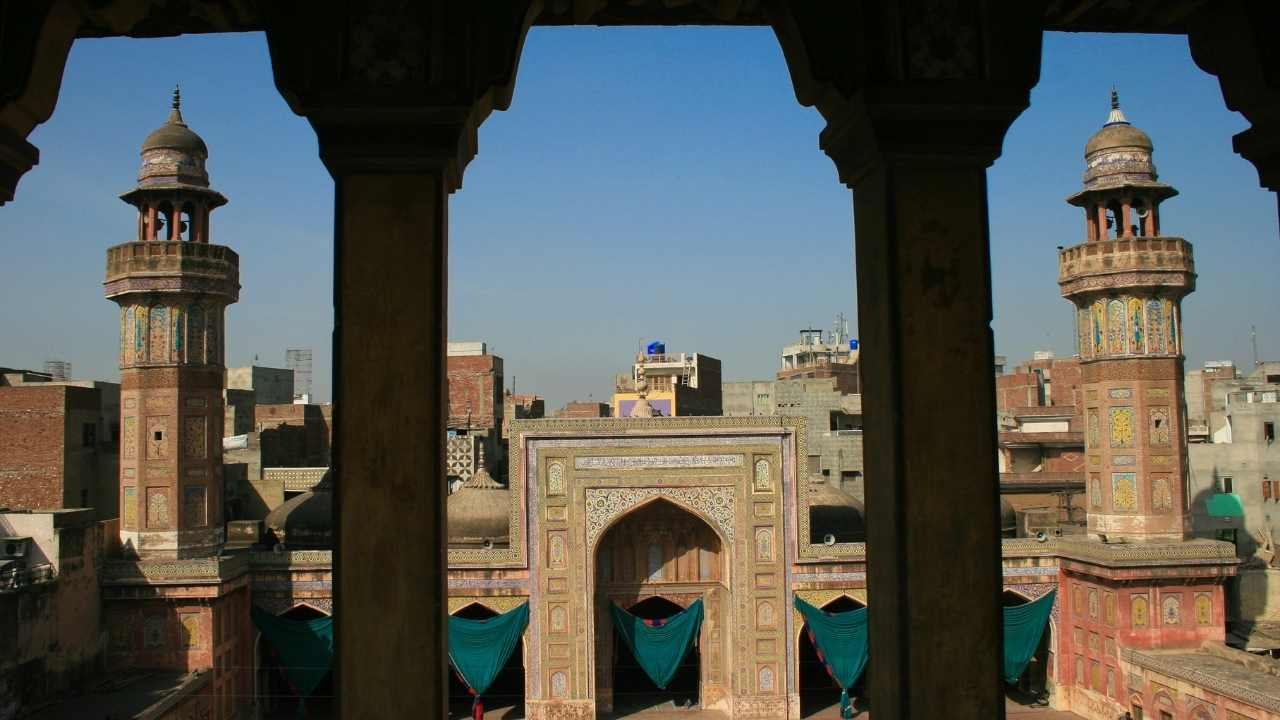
(1124, 491)
(1122, 430)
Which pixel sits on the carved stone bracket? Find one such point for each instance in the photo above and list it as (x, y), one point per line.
(396, 86)
(1233, 41)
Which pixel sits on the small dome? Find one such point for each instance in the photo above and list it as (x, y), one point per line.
(174, 133)
(1116, 136)
(1008, 516)
(834, 512)
(478, 513)
(304, 522)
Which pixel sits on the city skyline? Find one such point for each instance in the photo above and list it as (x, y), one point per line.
(680, 266)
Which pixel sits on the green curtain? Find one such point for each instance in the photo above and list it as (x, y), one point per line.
(305, 649)
(659, 645)
(841, 642)
(479, 648)
(1023, 626)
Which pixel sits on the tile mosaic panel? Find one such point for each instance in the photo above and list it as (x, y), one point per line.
(1121, 427)
(157, 507)
(195, 511)
(1161, 492)
(1124, 491)
(1158, 426)
(194, 437)
(129, 508)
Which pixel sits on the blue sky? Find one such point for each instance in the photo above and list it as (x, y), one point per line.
(645, 184)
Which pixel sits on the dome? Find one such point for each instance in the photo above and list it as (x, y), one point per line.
(1117, 134)
(304, 522)
(478, 513)
(834, 512)
(174, 133)
(173, 158)
(1115, 137)
(1008, 516)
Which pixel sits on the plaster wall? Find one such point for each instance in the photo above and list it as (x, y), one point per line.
(1248, 460)
(51, 639)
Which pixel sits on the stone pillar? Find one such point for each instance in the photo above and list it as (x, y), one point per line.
(917, 105)
(390, 265)
(395, 95)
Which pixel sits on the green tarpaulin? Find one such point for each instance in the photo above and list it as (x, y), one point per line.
(659, 645)
(841, 642)
(304, 647)
(479, 648)
(1023, 626)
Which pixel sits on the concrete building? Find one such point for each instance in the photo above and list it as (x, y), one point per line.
(248, 387)
(58, 443)
(818, 381)
(1040, 416)
(1234, 457)
(673, 384)
(51, 633)
(822, 355)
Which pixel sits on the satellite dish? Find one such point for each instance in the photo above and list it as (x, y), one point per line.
(828, 539)
(1042, 536)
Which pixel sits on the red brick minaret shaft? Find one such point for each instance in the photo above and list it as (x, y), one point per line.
(1127, 281)
(172, 287)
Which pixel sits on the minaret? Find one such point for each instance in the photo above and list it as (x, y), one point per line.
(1127, 281)
(172, 286)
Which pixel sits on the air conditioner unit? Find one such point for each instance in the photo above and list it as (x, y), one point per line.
(14, 548)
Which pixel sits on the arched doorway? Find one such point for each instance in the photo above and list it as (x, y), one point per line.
(277, 697)
(655, 562)
(1032, 687)
(505, 697)
(819, 693)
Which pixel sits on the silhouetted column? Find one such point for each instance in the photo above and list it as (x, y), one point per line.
(396, 124)
(917, 105)
(390, 319)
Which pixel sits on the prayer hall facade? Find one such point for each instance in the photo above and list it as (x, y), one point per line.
(656, 513)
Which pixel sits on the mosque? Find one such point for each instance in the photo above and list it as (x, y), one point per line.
(654, 515)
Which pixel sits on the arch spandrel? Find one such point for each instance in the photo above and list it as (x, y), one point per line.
(499, 604)
(606, 506)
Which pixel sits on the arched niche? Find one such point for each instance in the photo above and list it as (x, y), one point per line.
(818, 692)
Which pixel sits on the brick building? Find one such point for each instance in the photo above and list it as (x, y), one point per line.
(476, 407)
(58, 443)
(1039, 413)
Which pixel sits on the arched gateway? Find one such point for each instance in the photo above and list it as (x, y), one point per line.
(655, 561)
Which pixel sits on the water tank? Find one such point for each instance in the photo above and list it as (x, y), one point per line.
(853, 343)
(657, 347)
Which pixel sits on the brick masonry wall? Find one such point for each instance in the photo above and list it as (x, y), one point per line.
(475, 387)
(32, 422)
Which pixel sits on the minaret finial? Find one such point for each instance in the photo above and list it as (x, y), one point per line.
(1116, 115)
(175, 115)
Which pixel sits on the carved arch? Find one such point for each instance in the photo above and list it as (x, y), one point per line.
(607, 506)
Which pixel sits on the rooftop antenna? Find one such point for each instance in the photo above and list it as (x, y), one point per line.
(1253, 337)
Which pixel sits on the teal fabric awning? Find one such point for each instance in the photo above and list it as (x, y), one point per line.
(305, 649)
(841, 642)
(479, 648)
(1023, 626)
(659, 645)
(1225, 505)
